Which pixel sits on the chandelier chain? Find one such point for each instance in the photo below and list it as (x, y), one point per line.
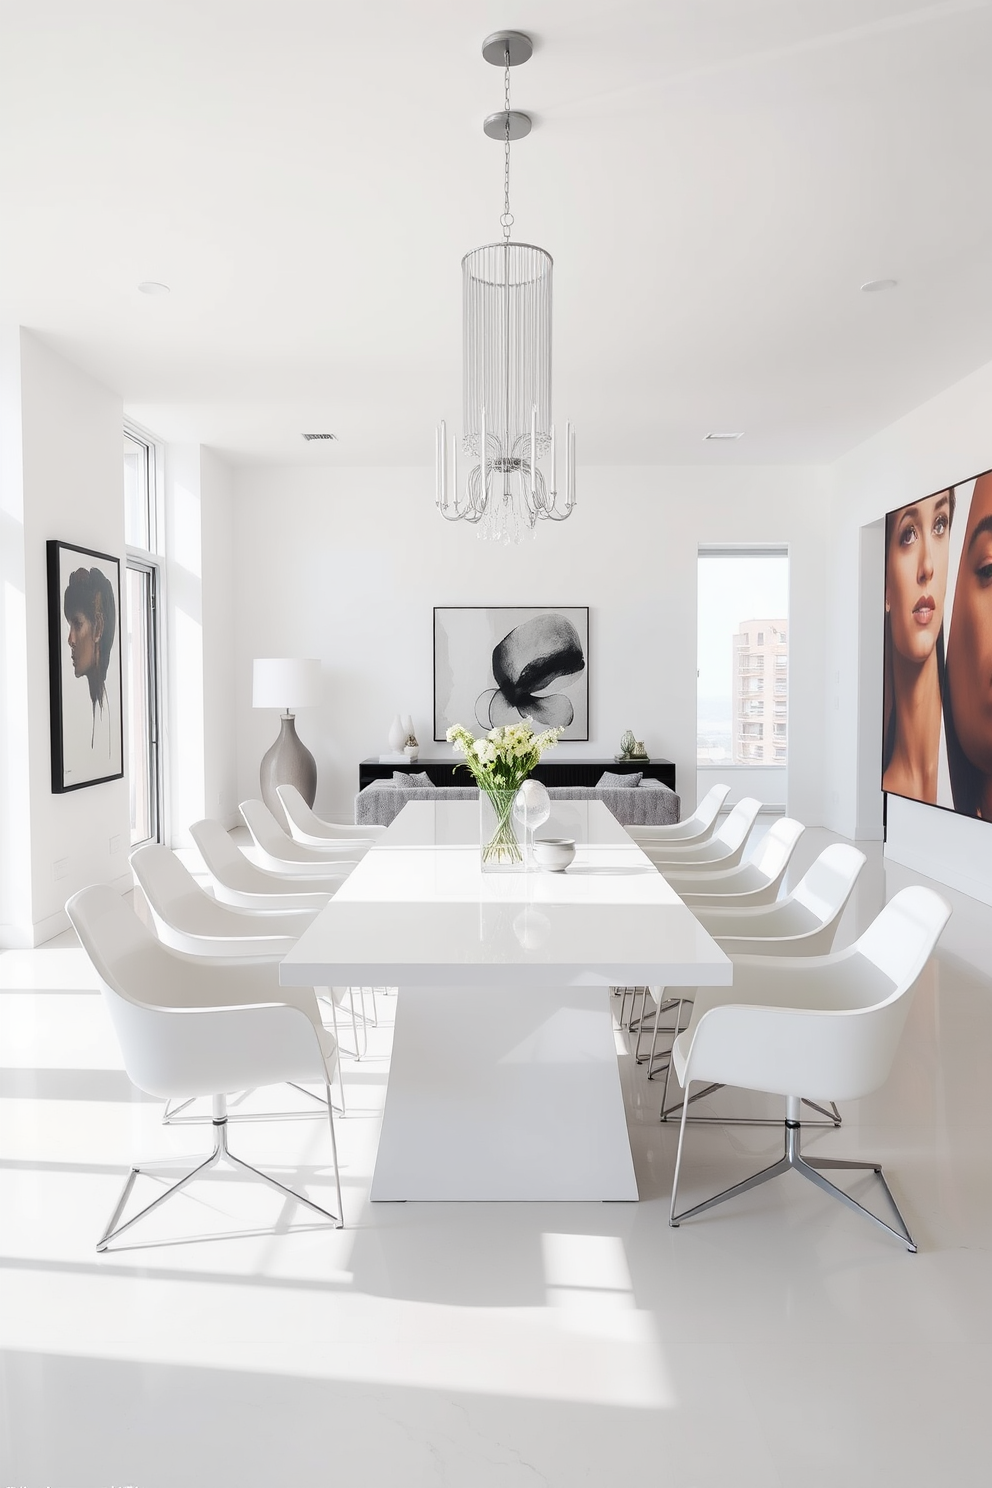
(506, 220)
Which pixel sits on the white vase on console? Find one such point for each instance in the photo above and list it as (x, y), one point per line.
(397, 735)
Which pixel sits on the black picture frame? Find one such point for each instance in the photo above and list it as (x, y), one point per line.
(85, 678)
(967, 505)
(458, 693)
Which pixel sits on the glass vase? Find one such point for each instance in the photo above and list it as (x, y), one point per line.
(498, 839)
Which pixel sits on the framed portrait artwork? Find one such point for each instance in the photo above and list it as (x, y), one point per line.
(937, 680)
(496, 665)
(84, 641)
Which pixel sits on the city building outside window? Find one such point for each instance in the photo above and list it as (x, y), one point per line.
(742, 638)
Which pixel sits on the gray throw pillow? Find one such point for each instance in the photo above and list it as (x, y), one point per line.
(610, 781)
(407, 780)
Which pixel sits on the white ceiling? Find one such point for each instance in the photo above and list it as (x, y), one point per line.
(714, 178)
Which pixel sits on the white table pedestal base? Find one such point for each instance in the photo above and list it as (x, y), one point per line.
(504, 1095)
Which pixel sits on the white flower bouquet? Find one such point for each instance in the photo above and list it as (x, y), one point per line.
(500, 762)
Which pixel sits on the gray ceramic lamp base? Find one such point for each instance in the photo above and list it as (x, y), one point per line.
(288, 762)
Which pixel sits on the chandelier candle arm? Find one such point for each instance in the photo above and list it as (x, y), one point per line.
(440, 499)
(483, 456)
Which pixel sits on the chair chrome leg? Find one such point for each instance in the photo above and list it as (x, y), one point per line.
(654, 1036)
(110, 1233)
(361, 1046)
(668, 1069)
(290, 1193)
(834, 1117)
(334, 1149)
(637, 1024)
(773, 1171)
(621, 992)
(662, 1004)
(808, 1168)
(219, 1154)
(667, 1111)
(171, 1116)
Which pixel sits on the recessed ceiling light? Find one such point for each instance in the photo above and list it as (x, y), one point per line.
(874, 286)
(319, 436)
(150, 287)
(718, 435)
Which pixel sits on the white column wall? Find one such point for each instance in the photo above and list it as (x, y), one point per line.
(15, 815)
(71, 481)
(200, 744)
(220, 786)
(943, 442)
(348, 564)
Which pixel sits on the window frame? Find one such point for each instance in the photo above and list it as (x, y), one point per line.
(151, 559)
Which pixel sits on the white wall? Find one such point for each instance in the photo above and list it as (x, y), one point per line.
(15, 817)
(220, 785)
(61, 475)
(71, 484)
(199, 632)
(945, 441)
(347, 565)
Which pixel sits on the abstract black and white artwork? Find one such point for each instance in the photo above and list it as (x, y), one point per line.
(84, 616)
(494, 666)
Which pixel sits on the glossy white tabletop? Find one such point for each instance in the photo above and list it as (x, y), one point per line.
(418, 911)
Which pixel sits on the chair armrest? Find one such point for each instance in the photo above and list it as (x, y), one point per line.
(212, 1050)
(840, 983)
(839, 1053)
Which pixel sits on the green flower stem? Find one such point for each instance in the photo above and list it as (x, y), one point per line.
(502, 846)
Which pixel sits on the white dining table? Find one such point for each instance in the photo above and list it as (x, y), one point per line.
(504, 1081)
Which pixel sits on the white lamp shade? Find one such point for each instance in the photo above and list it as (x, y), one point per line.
(285, 682)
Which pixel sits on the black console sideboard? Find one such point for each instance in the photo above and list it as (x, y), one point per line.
(548, 772)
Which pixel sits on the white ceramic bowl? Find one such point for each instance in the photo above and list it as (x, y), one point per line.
(553, 853)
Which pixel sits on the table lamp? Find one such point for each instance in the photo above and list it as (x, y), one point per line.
(287, 683)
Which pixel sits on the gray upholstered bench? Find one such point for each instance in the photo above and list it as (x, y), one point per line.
(649, 804)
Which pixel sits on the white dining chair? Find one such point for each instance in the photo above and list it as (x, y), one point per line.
(190, 920)
(312, 831)
(190, 1028)
(804, 923)
(755, 882)
(697, 828)
(826, 1024)
(278, 852)
(725, 848)
(238, 882)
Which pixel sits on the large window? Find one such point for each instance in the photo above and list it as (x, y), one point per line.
(143, 583)
(742, 631)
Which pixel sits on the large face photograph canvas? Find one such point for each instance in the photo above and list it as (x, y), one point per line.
(497, 665)
(937, 688)
(84, 615)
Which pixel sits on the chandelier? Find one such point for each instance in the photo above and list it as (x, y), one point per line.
(506, 371)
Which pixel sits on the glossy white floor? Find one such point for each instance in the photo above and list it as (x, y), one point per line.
(777, 1340)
